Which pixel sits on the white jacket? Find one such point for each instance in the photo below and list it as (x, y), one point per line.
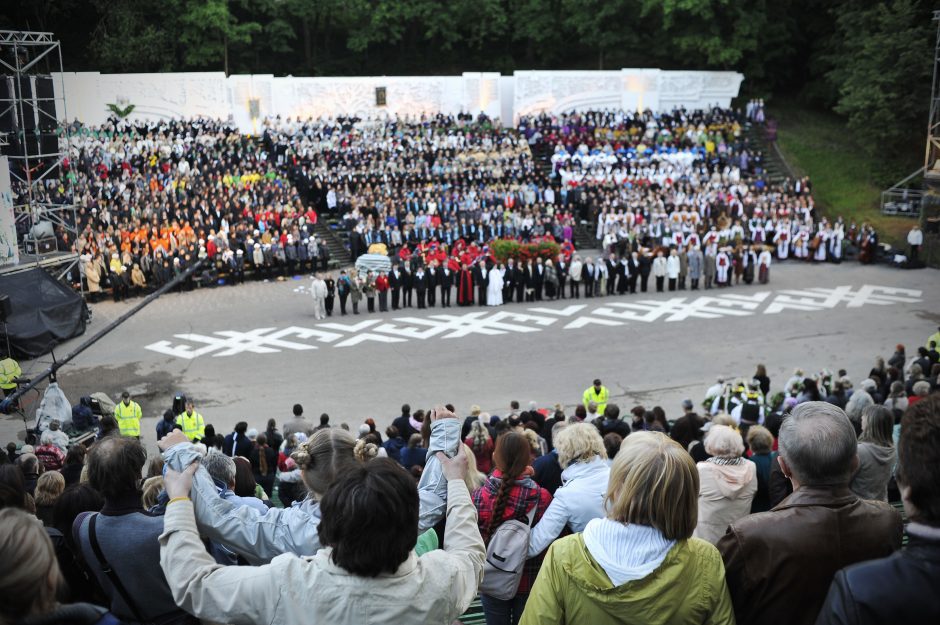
(293, 590)
(672, 267)
(577, 501)
(659, 267)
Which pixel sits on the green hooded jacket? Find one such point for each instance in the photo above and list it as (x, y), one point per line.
(688, 587)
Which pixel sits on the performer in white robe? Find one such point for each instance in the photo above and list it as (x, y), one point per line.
(494, 287)
(318, 290)
(782, 239)
(801, 244)
(835, 242)
(820, 254)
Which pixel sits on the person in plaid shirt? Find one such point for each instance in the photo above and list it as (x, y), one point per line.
(509, 493)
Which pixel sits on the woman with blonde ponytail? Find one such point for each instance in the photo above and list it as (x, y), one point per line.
(365, 450)
(29, 585)
(510, 493)
(327, 455)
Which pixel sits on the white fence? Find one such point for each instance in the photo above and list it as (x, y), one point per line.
(249, 98)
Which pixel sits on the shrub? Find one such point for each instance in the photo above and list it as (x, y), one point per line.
(502, 250)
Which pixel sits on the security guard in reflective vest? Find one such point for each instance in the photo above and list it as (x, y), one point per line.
(9, 372)
(597, 394)
(128, 416)
(191, 423)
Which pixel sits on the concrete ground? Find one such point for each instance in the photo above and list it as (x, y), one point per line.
(250, 352)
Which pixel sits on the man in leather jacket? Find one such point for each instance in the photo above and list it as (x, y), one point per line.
(901, 588)
(779, 564)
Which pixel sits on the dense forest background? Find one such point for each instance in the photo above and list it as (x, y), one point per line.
(869, 62)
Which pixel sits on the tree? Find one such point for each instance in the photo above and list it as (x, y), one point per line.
(714, 33)
(132, 36)
(604, 26)
(881, 65)
(208, 30)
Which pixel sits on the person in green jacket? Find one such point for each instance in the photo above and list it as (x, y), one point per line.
(598, 394)
(934, 338)
(640, 564)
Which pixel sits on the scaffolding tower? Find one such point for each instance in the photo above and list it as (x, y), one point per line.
(35, 137)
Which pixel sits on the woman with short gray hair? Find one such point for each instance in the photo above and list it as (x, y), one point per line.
(728, 483)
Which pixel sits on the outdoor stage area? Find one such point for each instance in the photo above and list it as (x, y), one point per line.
(250, 352)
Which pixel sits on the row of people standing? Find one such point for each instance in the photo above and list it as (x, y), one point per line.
(488, 283)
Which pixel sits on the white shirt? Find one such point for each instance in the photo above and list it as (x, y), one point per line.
(915, 237)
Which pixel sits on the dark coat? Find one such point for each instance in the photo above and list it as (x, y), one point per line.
(807, 538)
(242, 445)
(901, 588)
(404, 427)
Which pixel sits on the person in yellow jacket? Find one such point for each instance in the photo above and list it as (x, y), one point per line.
(597, 394)
(9, 372)
(935, 338)
(128, 416)
(191, 423)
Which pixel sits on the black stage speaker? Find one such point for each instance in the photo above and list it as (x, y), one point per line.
(45, 100)
(7, 110)
(380, 96)
(6, 309)
(24, 91)
(48, 144)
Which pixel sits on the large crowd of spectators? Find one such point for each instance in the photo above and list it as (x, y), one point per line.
(758, 507)
(155, 197)
(685, 180)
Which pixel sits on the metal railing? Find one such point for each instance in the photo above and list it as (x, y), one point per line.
(901, 200)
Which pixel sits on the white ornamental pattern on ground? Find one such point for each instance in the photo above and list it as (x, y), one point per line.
(496, 322)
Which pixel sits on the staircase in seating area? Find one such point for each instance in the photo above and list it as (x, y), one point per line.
(763, 138)
(542, 158)
(584, 240)
(330, 230)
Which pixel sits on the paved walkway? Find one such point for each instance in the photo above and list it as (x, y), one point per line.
(250, 352)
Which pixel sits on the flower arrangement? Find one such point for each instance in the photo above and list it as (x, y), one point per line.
(502, 250)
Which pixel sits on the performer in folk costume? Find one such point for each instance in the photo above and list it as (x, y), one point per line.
(749, 261)
(737, 262)
(801, 244)
(465, 287)
(678, 239)
(822, 244)
(723, 267)
(755, 226)
(868, 245)
(711, 241)
(763, 264)
(782, 239)
(835, 241)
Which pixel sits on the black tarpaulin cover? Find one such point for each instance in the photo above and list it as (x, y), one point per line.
(45, 312)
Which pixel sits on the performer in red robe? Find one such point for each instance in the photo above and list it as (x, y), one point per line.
(465, 287)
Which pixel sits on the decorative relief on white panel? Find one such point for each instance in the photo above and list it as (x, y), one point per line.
(722, 81)
(681, 83)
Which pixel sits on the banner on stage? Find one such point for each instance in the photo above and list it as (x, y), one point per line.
(9, 253)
